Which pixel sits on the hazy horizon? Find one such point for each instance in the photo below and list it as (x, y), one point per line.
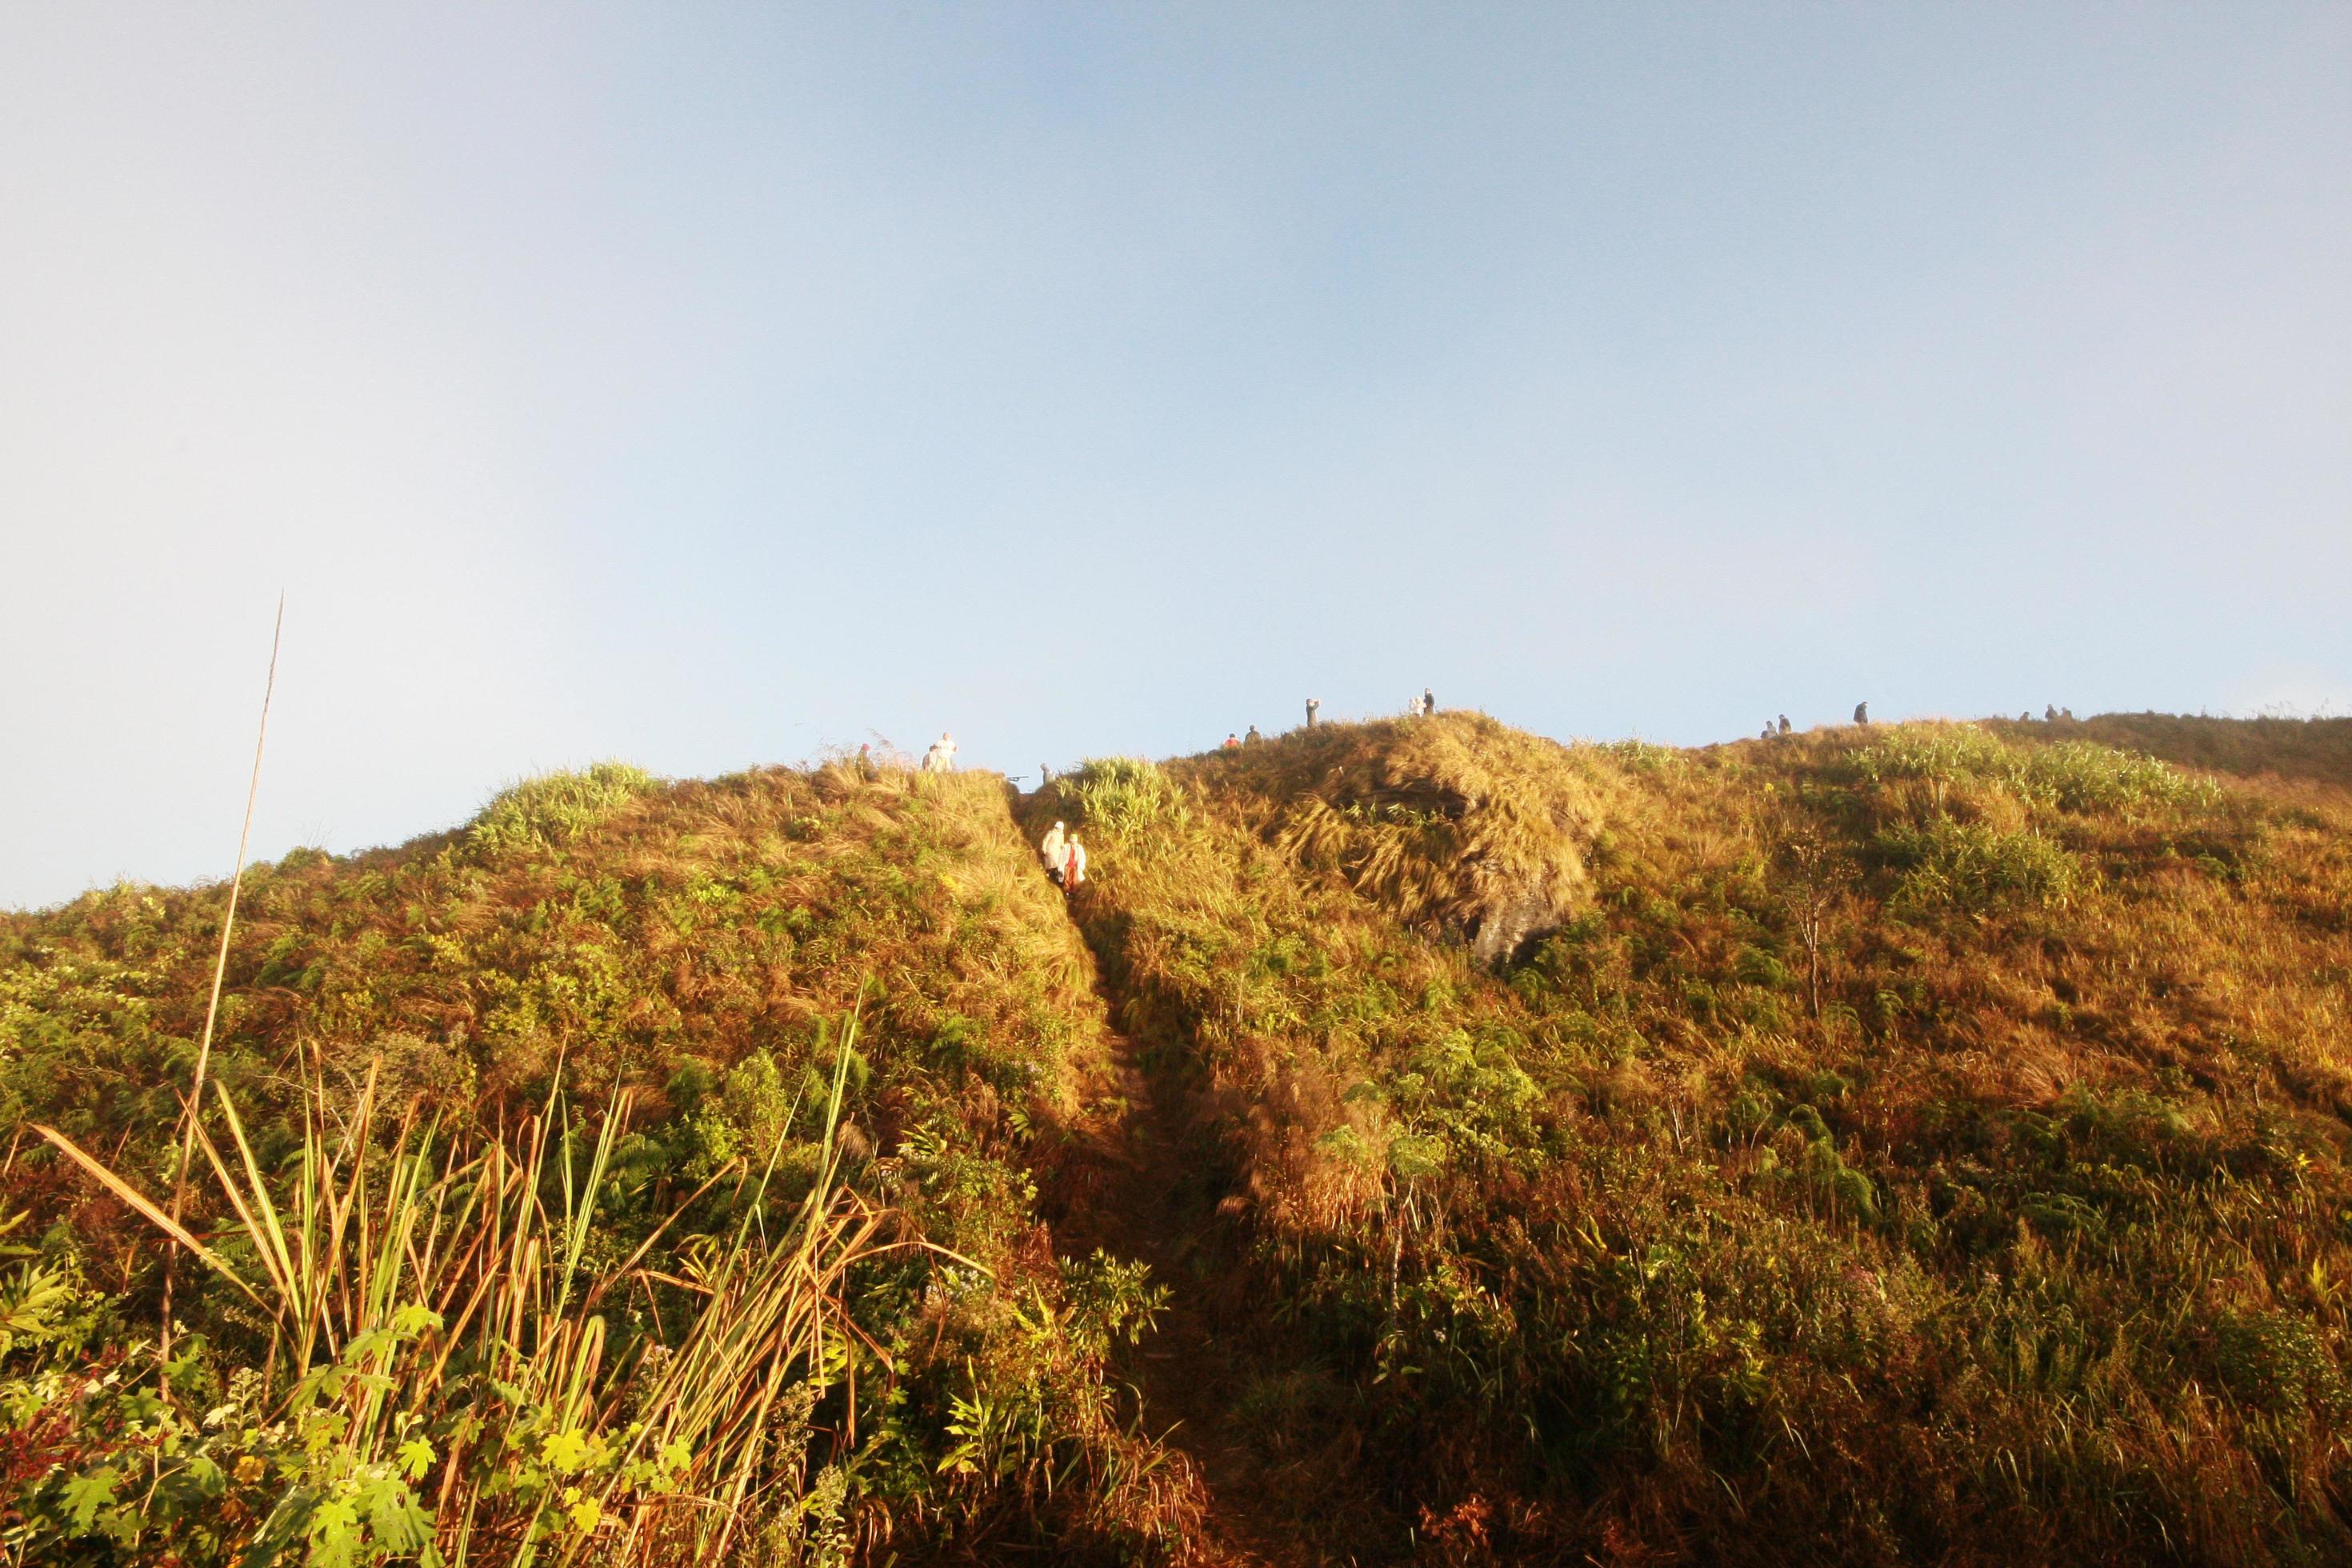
(704, 389)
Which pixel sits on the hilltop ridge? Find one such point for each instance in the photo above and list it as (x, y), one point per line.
(1420, 1141)
(2315, 749)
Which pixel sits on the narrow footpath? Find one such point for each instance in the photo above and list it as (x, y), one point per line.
(1278, 1491)
(1159, 1208)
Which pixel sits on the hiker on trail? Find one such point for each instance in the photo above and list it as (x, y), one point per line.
(1054, 849)
(2050, 713)
(940, 758)
(1074, 866)
(1233, 743)
(1044, 775)
(1862, 712)
(1784, 723)
(1313, 704)
(1767, 731)
(1428, 703)
(865, 760)
(1253, 738)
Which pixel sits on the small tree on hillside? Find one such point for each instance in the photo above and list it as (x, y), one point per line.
(1816, 874)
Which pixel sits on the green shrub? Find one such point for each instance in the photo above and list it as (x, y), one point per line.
(1643, 756)
(2078, 775)
(1975, 868)
(2277, 1364)
(2072, 775)
(554, 808)
(1936, 753)
(1123, 794)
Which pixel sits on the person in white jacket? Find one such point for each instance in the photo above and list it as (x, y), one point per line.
(940, 758)
(1054, 849)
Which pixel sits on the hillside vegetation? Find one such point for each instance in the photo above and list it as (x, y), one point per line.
(632, 994)
(2315, 749)
(1917, 1145)
(1418, 1141)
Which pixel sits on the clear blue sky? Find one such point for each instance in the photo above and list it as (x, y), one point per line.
(701, 385)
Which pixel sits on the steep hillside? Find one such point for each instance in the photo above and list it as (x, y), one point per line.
(1914, 1144)
(676, 958)
(1417, 1141)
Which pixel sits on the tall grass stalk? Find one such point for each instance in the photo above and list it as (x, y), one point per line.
(436, 1346)
(220, 973)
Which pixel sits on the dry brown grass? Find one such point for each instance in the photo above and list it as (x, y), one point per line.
(1454, 822)
(2028, 1242)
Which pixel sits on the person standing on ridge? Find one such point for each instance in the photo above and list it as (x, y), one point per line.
(1074, 866)
(1428, 703)
(940, 758)
(1253, 738)
(1313, 704)
(1784, 723)
(1862, 712)
(1233, 743)
(1054, 851)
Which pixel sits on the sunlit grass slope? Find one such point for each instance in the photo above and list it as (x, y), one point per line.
(1913, 1144)
(2315, 749)
(601, 1024)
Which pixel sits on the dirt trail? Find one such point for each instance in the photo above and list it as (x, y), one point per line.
(1152, 1194)
(1157, 1204)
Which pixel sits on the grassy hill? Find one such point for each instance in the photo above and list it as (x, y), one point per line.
(661, 972)
(1419, 1141)
(2285, 749)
